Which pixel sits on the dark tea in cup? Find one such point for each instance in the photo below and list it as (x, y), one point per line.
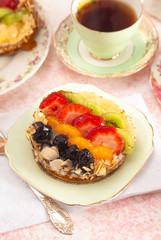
(106, 15)
(106, 26)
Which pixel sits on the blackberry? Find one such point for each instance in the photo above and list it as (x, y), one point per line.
(72, 154)
(43, 133)
(61, 141)
(62, 153)
(85, 158)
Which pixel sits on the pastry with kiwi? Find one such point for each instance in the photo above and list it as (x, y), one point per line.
(80, 137)
(19, 25)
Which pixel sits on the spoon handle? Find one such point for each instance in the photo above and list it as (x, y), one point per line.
(58, 216)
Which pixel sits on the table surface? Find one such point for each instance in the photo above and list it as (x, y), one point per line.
(132, 218)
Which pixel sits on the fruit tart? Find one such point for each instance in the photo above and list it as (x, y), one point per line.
(19, 24)
(80, 137)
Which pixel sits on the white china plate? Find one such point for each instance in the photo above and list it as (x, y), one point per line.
(19, 152)
(17, 68)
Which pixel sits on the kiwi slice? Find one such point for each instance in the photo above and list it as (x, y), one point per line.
(76, 98)
(106, 104)
(4, 12)
(73, 97)
(9, 19)
(128, 141)
(96, 109)
(13, 17)
(20, 14)
(115, 119)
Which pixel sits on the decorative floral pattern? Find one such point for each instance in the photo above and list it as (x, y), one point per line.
(155, 79)
(156, 89)
(31, 66)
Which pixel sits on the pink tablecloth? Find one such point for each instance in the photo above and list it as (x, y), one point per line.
(136, 218)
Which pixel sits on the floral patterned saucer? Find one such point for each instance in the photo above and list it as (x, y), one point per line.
(136, 55)
(155, 78)
(17, 68)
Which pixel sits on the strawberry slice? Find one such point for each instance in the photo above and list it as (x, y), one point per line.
(53, 102)
(69, 112)
(9, 4)
(108, 137)
(86, 122)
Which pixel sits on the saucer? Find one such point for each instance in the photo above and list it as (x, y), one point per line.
(155, 78)
(136, 55)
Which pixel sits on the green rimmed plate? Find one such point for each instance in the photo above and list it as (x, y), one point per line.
(19, 152)
(138, 52)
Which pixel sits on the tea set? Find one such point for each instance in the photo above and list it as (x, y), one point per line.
(106, 54)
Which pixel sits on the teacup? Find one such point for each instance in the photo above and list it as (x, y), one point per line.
(106, 45)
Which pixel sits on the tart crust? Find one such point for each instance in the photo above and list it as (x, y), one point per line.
(45, 166)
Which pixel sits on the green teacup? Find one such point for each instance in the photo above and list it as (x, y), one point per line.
(105, 45)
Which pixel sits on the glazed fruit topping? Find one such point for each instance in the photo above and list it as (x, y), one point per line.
(69, 112)
(4, 12)
(67, 129)
(86, 122)
(85, 158)
(72, 154)
(80, 142)
(17, 16)
(61, 141)
(43, 133)
(108, 137)
(84, 134)
(101, 153)
(53, 102)
(9, 4)
(52, 121)
(115, 119)
(128, 141)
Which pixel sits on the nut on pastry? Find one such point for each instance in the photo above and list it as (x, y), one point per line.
(19, 24)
